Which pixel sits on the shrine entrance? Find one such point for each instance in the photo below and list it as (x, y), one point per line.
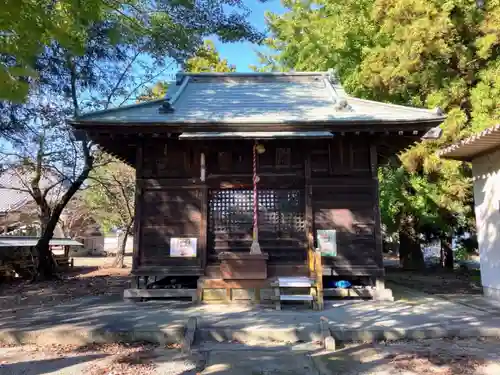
(281, 223)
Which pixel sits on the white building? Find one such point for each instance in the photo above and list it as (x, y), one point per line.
(483, 150)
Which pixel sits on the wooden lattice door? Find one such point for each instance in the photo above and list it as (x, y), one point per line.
(281, 222)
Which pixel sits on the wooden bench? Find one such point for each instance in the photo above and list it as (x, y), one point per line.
(62, 261)
(284, 286)
(24, 267)
(6, 271)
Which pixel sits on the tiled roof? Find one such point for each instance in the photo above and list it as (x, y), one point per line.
(13, 191)
(251, 98)
(11, 198)
(474, 146)
(8, 241)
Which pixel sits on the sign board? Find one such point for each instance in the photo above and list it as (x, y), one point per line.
(327, 242)
(183, 247)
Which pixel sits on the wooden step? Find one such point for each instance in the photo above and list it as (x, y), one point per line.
(296, 297)
(293, 282)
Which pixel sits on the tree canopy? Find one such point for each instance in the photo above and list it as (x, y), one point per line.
(411, 52)
(164, 28)
(61, 58)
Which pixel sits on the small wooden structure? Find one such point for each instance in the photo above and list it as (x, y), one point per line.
(241, 176)
(18, 255)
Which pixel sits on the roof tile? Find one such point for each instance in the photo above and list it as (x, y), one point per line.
(260, 98)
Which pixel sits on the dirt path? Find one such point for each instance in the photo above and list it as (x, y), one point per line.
(437, 281)
(426, 357)
(91, 276)
(109, 359)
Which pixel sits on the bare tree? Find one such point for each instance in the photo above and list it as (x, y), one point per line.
(48, 164)
(111, 197)
(123, 50)
(78, 221)
(43, 153)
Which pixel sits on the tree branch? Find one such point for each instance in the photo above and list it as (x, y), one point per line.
(124, 195)
(120, 79)
(73, 77)
(144, 82)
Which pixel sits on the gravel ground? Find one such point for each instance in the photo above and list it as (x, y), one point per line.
(437, 281)
(109, 359)
(91, 276)
(425, 357)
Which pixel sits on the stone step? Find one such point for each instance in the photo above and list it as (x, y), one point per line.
(296, 297)
(293, 282)
(257, 335)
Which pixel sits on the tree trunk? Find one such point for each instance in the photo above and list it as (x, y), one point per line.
(46, 266)
(122, 245)
(120, 253)
(447, 253)
(410, 253)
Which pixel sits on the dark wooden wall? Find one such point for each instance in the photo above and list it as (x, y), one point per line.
(304, 185)
(171, 203)
(345, 198)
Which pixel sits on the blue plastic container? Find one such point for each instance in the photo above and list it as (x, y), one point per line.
(342, 284)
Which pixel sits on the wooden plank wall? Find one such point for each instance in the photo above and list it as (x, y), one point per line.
(330, 181)
(344, 193)
(171, 205)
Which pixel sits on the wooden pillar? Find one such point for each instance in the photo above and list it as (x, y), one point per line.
(204, 211)
(313, 257)
(138, 204)
(318, 269)
(379, 283)
(309, 212)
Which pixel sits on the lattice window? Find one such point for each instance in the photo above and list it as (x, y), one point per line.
(230, 210)
(281, 212)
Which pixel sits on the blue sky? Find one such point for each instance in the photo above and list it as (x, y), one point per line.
(243, 54)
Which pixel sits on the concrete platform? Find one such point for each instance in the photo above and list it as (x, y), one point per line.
(259, 362)
(412, 315)
(160, 293)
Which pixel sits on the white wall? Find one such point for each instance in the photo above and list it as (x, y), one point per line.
(486, 171)
(111, 244)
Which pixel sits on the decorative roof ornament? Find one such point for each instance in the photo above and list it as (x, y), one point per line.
(333, 76)
(439, 111)
(433, 133)
(166, 107)
(342, 105)
(179, 78)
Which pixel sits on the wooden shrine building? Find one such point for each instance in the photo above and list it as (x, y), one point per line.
(315, 151)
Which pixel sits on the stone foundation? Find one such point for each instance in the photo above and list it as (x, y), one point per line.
(492, 293)
(234, 291)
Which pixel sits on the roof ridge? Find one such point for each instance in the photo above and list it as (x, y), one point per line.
(437, 110)
(114, 109)
(253, 74)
